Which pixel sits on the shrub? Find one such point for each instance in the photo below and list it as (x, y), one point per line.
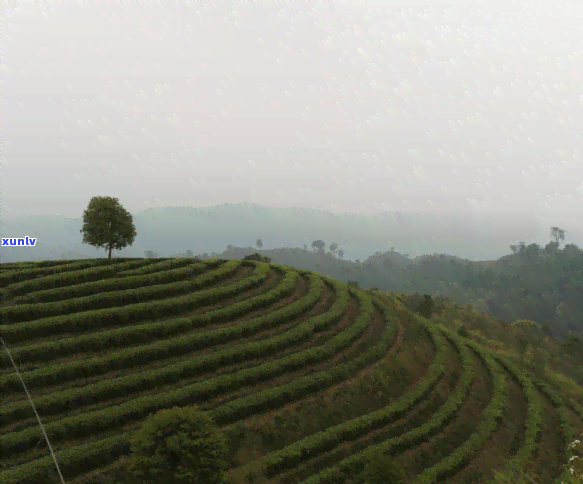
(425, 307)
(382, 470)
(512, 476)
(463, 331)
(257, 257)
(179, 445)
(525, 323)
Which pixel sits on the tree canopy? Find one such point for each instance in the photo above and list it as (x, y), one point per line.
(534, 250)
(179, 445)
(319, 245)
(107, 224)
(557, 234)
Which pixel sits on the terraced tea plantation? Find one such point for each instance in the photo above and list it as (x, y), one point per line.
(308, 378)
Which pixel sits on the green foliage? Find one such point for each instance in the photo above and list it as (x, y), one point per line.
(552, 247)
(107, 224)
(381, 469)
(168, 453)
(516, 464)
(533, 251)
(257, 257)
(426, 306)
(511, 476)
(571, 251)
(572, 343)
(423, 305)
(557, 234)
(490, 420)
(318, 244)
(181, 445)
(573, 338)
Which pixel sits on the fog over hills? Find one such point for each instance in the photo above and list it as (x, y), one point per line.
(172, 230)
(392, 251)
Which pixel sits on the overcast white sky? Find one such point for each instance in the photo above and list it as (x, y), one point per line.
(419, 106)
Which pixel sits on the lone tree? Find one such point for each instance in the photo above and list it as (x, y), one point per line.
(341, 254)
(557, 234)
(179, 445)
(333, 247)
(319, 245)
(259, 243)
(107, 224)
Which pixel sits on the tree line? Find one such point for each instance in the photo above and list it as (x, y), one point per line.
(535, 250)
(318, 245)
(106, 224)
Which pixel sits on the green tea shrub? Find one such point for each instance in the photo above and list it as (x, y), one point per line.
(382, 470)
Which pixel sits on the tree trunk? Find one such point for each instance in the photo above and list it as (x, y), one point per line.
(110, 252)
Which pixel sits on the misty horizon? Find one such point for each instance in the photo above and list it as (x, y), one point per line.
(173, 230)
(456, 124)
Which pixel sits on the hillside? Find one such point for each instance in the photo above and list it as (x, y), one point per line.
(545, 287)
(309, 378)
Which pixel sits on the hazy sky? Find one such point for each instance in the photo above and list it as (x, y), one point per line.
(362, 107)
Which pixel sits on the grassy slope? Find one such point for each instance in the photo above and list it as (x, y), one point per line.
(477, 394)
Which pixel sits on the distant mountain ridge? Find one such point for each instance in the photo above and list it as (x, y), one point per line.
(171, 230)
